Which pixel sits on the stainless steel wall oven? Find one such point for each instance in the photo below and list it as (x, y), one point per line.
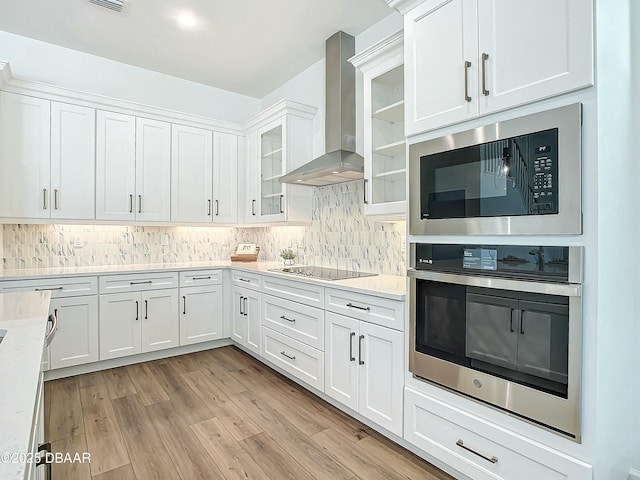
(501, 324)
(517, 177)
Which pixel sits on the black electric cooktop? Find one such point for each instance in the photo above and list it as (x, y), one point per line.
(323, 273)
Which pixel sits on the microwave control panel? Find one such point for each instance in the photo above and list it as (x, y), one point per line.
(543, 171)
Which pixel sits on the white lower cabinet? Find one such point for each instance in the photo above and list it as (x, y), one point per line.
(245, 321)
(138, 322)
(364, 369)
(479, 449)
(200, 314)
(76, 341)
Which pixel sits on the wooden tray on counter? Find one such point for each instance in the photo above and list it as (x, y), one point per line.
(245, 257)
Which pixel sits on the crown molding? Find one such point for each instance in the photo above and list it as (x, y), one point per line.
(404, 6)
(393, 44)
(277, 110)
(65, 95)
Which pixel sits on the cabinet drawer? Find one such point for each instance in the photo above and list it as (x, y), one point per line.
(300, 360)
(245, 279)
(60, 287)
(195, 278)
(298, 321)
(137, 282)
(378, 310)
(480, 450)
(307, 293)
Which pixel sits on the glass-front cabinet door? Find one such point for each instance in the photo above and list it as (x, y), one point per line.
(271, 169)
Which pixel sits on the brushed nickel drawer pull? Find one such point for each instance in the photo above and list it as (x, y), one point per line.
(485, 57)
(284, 354)
(48, 289)
(202, 278)
(351, 357)
(461, 444)
(292, 320)
(148, 282)
(366, 309)
(244, 280)
(467, 64)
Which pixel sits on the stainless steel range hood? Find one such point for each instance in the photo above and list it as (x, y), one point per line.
(341, 163)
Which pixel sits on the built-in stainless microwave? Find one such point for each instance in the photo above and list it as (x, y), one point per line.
(501, 324)
(517, 177)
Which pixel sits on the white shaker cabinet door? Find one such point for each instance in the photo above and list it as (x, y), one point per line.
(238, 319)
(191, 174)
(24, 156)
(120, 327)
(115, 166)
(200, 314)
(160, 321)
(252, 314)
(153, 170)
(76, 341)
(533, 50)
(380, 353)
(440, 37)
(225, 178)
(341, 365)
(73, 161)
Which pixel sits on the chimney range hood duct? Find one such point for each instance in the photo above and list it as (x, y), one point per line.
(341, 163)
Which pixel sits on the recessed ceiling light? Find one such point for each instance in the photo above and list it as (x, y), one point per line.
(186, 20)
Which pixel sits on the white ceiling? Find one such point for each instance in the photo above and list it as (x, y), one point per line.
(246, 46)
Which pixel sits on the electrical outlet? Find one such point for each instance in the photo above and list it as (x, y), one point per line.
(77, 242)
(403, 245)
(164, 240)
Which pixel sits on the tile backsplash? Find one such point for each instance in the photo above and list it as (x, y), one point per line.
(338, 236)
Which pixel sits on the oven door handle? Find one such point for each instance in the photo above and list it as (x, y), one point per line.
(550, 288)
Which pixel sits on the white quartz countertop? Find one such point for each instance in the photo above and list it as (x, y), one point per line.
(390, 286)
(24, 317)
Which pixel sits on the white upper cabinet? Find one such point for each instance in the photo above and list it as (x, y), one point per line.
(278, 141)
(24, 156)
(47, 159)
(153, 170)
(133, 168)
(225, 178)
(467, 58)
(115, 166)
(191, 174)
(384, 144)
(73, 163)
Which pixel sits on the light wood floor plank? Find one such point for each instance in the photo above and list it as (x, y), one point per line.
(121, 473)
(272, 459)
(208, 364)
(232, 460)
(102, 432)
(186, 451)
(181, 394)
(66, 469)
(320, 464)
(66, 411)
(149, 458)
(149, 389)
(118, 382)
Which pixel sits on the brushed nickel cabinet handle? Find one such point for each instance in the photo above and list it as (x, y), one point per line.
(366, 309)
(351, 357)
(360, 361)
(201, 278)
(146, 310)
(137, 310)
(289, 357)
(130, 203)
(485, 57)
(44, 198)
(467, 64)
(364, 183)
(292, 320)
(241, 312)
(55, 199)
(139, 203)
(253, 207)
(492, 459)
(147, 282)
(48, 289)
(209, 207)
(184, 305)
(244, 280)
(217, 208)
(246, 310)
